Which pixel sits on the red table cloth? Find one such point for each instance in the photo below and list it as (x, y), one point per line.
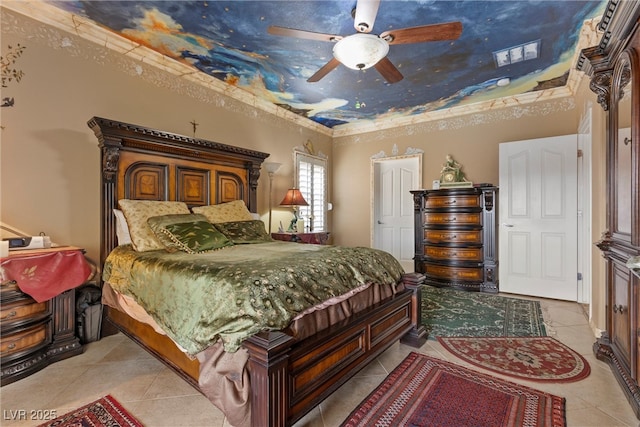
(44, 274)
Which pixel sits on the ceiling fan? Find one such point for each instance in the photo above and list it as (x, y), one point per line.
(364, 50)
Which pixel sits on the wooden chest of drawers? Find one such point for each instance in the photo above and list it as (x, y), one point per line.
(34, 334)
(25, 325)
(455, 237)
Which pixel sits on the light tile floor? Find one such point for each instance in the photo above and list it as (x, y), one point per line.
(158, 397)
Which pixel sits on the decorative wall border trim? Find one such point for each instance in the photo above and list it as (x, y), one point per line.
(454, 123)
(394, 152)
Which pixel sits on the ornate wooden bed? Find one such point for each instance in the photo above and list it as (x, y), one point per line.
(288, 377)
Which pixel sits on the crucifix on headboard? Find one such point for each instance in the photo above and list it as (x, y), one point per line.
(195, 126)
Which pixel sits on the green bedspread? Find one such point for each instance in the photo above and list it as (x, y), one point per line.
(240, 290)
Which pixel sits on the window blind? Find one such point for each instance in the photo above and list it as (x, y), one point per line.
(312, 183)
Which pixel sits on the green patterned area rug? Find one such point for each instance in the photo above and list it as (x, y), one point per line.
(453, 313)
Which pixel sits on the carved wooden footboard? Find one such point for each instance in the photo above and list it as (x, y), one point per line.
(305, 373)
(288, 377)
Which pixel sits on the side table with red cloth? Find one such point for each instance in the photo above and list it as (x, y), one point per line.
(316, 238)
(44, 273)
(38, 308)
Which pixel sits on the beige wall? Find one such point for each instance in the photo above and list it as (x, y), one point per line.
(49, 158)
(474, 143)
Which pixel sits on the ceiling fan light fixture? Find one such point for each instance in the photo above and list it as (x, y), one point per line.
(360, 51)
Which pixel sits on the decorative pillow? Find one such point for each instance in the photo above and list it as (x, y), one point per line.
(138, 211)
(225, 212)
(244, 231)
(122, 229)
(190, 233)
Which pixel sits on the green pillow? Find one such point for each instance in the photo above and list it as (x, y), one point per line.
(190, 233)
(240, 232)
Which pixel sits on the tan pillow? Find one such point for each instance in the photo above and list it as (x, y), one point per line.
(137, 212)
(225, 212)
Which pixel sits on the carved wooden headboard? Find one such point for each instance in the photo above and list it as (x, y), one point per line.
(148, 164)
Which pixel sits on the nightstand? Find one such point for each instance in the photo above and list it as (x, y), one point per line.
(316, 238)
(37, 309)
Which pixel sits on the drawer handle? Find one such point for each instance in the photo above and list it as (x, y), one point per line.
(450, 202)
(11, 346)
(618, 308)
(451, 219)
(10, 315)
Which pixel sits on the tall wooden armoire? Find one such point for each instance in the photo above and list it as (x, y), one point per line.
(614, 68)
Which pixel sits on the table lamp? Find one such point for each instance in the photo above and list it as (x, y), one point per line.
(294, 198)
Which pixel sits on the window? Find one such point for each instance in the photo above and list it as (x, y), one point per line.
(311, 176)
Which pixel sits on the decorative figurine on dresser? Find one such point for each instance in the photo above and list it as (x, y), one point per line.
(451, 175)
(37, 308)
(456, 242)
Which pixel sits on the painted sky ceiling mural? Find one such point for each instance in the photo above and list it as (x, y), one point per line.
(505, 48)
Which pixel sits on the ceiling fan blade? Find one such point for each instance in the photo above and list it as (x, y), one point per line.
(302, 34)
(424, 33)
(389, 71)
(326, 68)
(366, 11)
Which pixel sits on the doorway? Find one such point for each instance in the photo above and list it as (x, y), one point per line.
(392, 222)
(538, 217)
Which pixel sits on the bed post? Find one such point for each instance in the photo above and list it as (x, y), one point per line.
(110, 146)
(268, 370)
(418, 335)
(110, 155)
(253, 170)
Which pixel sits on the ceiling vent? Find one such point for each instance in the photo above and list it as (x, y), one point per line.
(515, 54)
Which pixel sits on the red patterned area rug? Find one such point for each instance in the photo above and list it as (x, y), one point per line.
(423, 391)
(104, 412)
(542, 359)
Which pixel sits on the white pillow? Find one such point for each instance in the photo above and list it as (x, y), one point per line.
(122, 228)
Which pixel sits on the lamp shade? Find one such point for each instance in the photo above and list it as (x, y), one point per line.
(293, 198)
(272, 167)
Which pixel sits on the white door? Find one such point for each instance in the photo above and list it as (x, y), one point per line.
(392, 222)
(538, 217)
